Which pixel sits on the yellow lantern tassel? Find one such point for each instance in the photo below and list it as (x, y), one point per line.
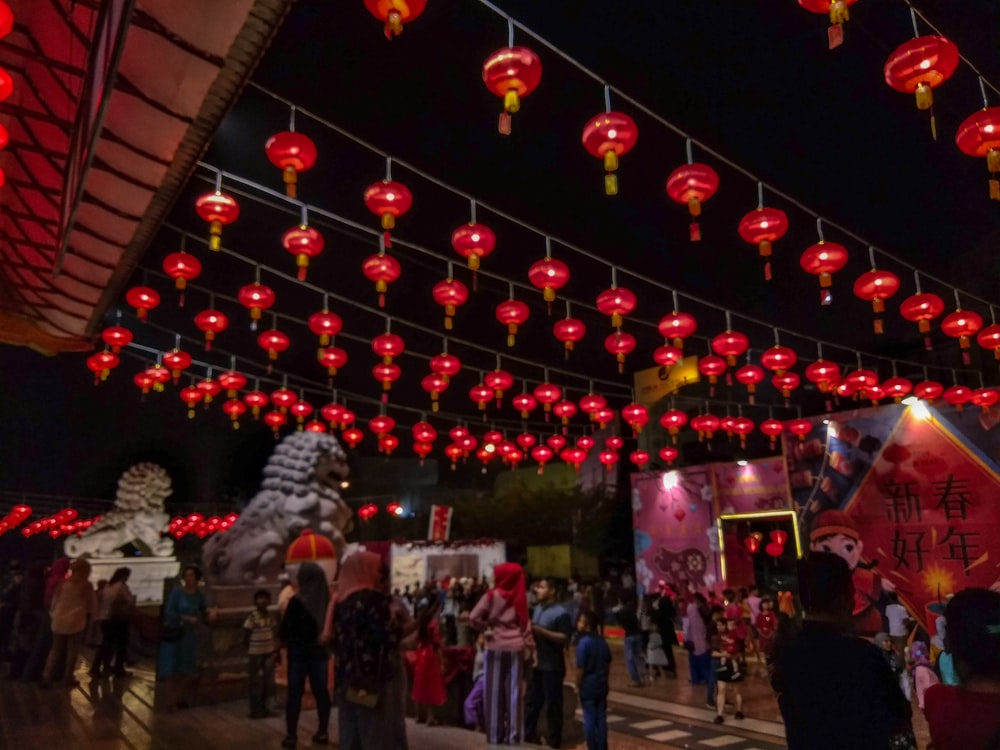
(511, 101)
(447, 322)
(765, 248)
(610, 160)
(215, 235)
(825, 280)
(393, 24)
(388, 221)
(503, 124)
(996, 353)
(236, 424)
(548, 294)
(191, 412)
(302, 261)
(474, 262)
(611, 184)
(694, 206)
(616, 320)
(878, 326)
(878, 305)
(180, 283)
(290, 177)
(924, 95)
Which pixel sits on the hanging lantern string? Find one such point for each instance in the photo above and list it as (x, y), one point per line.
(645, 110)
(284, 202)
(983, 81)
(607, 98)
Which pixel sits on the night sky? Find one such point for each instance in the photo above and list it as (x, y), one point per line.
(753, 81)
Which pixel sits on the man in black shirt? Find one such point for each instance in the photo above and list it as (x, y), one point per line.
(835, 691)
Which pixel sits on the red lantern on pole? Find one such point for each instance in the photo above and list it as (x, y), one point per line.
(800, 428)
(395, 13)
(275, 420)
(564, 410)
(667, 355)
(273, 342)
(962, 325)
(979, 135)
(524, 403)
(824, 374)
(210, 388)
(511, 73)
(569, 331)
(424, 432)
(669, 454)
(692, 184)
(218, 209)
(526, 440)
(713, 368)
(256, 400)
(731, 345)
(616, 303)
(547, 394)
(332, 358)
(763, 227)
(386, 375)
(824, 259)
(388, 200)
(382, 425)
(542, 454)
(381, 269)
(143, 299)
(283, 398)
(352, 436)
(639, 457)
(304, 242)
(706, 426)
(331, 413)
(897, 388)
(181, 267)
(498, 381)
(958, 396)
(786, 384)
(573, 456)
(192, 397)
(608, 136)
(876, 286)
(450, 294)
(232, 381)
(921, 308)
(512, 313)
(608, 458)
(772, 428)
(473, 242)
(326, 325)
(176, 361)
(672, 421)
(116, 337)
(592, 403)
(585, 443)
(453, 452)
(988, 338)
(292, 153)
(920, 65)
(346, 417)
(143, 381)
(446, 365)
(928, 390)
(549, 275)
(435, 385)
(234, 409)
(750, 376)
(985, 398)
(388, 345)
(743, 426)
(256, 298)
(160, 375)
(779, 359)
(677, 326)
(101, 364)
(838, 13)
(300, 410)
(211, 323)
(636, 416)
(620, 344)
(481, 395)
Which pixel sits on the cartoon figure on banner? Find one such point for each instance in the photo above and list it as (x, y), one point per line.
(834, 531)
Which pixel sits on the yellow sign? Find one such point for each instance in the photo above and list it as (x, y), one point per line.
(654, 383)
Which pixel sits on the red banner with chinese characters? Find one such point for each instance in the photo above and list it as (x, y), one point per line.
(927, 516)
(439, 528)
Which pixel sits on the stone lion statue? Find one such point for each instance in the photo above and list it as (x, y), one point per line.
(138, 517)
(301, 489)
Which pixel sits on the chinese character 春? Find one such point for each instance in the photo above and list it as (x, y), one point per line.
(954, 496)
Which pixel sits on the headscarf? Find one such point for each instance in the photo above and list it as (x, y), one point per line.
(362, 571)
(508, 581)
(57, 574)
(314, 592)
(880, 639)
(919, 653)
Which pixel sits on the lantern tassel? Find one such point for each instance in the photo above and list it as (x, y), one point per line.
(933, 126)
(503, 124)
(694, 232)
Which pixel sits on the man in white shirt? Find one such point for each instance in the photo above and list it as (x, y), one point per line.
(899, 623)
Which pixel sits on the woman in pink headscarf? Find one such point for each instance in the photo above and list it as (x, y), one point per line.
(502, 613)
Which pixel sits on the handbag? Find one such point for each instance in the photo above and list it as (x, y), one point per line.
(363, 690)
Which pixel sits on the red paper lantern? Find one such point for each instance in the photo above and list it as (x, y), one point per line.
(592, 403)
(473, 242)
(779, 359)
(304, 242)
(192, 397)
(774, 549)
(273, 342)
(639, 457)
(876, 286)
(493, 437)
(731, 345)
(387, 444)
(181, 267)
(331, 413)
(498, 381)
(211, 323)
(824, 259)
(672, 421)
(750, 376)
(116, 337)
(6, 84)
(283, 398)
(256, 298)
(667, 355)
(423, 450)
(388, 199)
(985, 398)
(962, 325)
(446, 365)
(547, 394)
(481, 395)
(897, 388)
(555, 442)
(512, 313)
(332, 358)
(669, 454)
(678, 326)
(752, 544)
(861, 380)
(176, 361)
(275, 420)
(159, 375)
(772, 428)
(706, 425)
(381, 269)
(511, 73)
(526, 440)
(988, 338)
(800, 428)
(549, 275)
(979, 135)
(524, 403)
(435, 385)
(762, 227)
(958, 396)
(693, 184)
(620, 344)
(564, 410)
(346, 417)
(352, 436)
(6, 19)
(292, 153)
(326, 325)
(315, 426)
(382, 424)
(569, 331)
(609, 458)
(388, 345)
(218, 209)
(919, 65)
(824, 374)
(386, 375)
(636, 416)
(712, 367)
(921, 308)
(101, 364)
(232, 381)
(616, 302)
(608, 136)
(453, 452)
(256, 400)
(143, 299)
(450, 294)
(573, 456)
(234, 409)
(614, 442)
(542, 454)
(585, 442)
(395, 13)
(786, 383)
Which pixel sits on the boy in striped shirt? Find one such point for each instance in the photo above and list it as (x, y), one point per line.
(259, 629)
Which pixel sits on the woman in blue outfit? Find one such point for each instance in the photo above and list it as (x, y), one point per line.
(178, 663)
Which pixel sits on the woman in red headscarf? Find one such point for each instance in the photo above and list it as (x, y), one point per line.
(502, 614)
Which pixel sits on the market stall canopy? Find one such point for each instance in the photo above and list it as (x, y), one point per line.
(112, 104)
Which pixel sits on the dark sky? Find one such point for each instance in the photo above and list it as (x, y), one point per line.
(753, 81)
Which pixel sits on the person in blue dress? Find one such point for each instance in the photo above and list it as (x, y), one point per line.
(178, 662)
